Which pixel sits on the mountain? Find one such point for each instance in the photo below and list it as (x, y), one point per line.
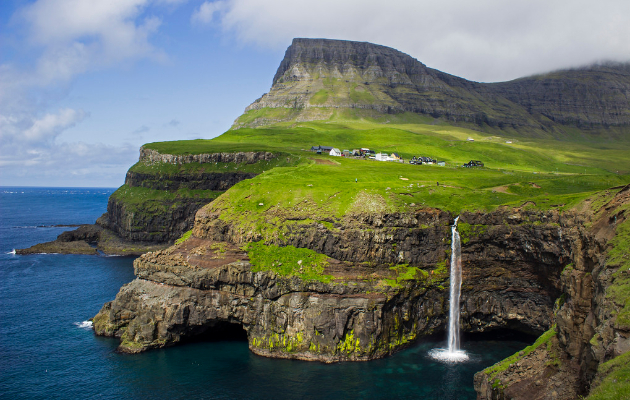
(322, 79)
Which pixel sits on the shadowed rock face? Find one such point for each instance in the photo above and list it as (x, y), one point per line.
(319, 75)
(516, 265)
(162, 219)
(587, 330)
(512, 261)
(583, 97)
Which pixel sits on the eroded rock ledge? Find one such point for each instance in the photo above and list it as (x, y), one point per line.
(249, 157)
(91, 239)
(589, 324)
(186, 290)
(512, 262)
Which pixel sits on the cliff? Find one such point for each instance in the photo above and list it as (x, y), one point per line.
(525, 270)
(162, 192)
(585, 350)
(357, 307)
(158, 202)
(320, 77)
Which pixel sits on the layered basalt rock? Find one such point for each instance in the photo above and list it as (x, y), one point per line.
(188, 289)
(163, 218)
(587, 331)
(511, 279)
(158, 221)
(215, 181)
(150, 156)
(591, 97)
(91, 239)
(318, 76)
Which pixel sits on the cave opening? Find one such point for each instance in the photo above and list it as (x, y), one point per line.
(219, 331)
(500, 334)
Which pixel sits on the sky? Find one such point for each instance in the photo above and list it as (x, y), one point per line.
(84, 83)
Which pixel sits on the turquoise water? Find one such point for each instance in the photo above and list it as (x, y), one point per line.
(45, 354)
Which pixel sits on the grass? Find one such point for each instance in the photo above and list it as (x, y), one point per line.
(167, 171)
(298, 184)
(405, 273)
(145, 199)
(288, 261)
(184, 237)
(438, 141)
(619, 258)
(320, 97)
(614, 383)
(503, 365)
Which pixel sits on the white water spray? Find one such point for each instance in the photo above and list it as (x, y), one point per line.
(453, 353)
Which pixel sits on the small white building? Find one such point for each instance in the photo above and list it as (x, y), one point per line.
(383, 157)
(335, 152)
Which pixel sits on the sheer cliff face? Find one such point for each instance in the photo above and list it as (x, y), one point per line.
(318, 76)
(586, 98)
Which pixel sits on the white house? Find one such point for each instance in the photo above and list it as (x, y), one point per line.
(383, 157)
(335, 152)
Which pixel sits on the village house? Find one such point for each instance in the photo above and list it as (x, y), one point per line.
(422, 160)
(335, 152)
(346, 153)
(473, 163)
(396, 157)
(383, 157)
(321, 149)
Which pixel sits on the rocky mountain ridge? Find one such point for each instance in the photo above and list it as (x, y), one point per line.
(318, 76)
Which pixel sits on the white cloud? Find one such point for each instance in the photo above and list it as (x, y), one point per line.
(486, 40)
(66, 38)
(206, 11)
(78, 35)
(50, 126)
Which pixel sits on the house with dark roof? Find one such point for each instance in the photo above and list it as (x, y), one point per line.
(473, 163)
(321, 149)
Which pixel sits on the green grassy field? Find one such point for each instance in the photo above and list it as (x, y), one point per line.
(544, 173)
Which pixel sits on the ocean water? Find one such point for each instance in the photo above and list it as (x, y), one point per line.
(47, 352)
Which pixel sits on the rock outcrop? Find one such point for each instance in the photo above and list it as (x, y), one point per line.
(91, 239)
(590, 328)
(158, 204)
(512, 261)
(318, 76)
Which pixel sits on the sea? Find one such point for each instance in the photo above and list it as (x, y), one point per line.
(49, 351)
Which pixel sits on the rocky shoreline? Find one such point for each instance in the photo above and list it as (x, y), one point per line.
(91, 239)
(523, 270)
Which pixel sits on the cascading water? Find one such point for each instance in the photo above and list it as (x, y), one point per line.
(453, 353)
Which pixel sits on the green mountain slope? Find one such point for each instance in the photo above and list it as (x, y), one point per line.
(321, 79)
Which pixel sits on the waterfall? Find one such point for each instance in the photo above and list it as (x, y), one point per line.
(456, 287)
(453, 353)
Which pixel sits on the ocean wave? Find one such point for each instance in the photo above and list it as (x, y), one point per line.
(11, 252)
(84, 325)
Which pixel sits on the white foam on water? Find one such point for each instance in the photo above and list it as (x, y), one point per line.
(84, 324)
(447, 356)
(12, 252)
